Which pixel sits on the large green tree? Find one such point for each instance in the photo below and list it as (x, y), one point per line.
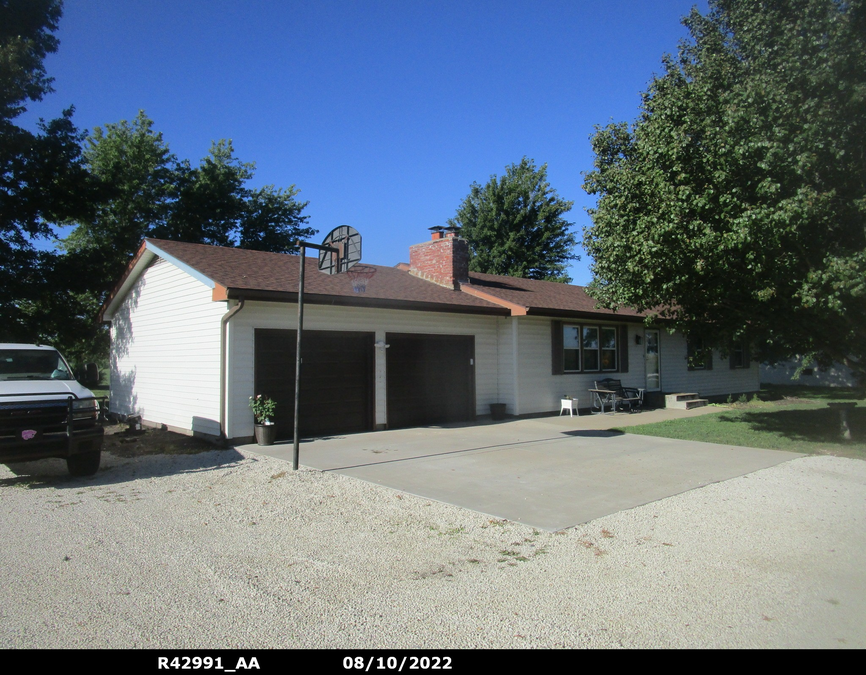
(137, 175)
(42, 178)
(515, 225)
(210, 198)
(26, 38)
(145, 191)
(735, 205)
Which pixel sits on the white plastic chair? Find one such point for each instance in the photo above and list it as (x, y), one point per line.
(569, 404)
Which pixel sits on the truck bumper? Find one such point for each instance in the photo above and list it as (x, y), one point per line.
(45, 445)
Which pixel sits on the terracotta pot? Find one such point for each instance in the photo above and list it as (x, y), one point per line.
(266, 434)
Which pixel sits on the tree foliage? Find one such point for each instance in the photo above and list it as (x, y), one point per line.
(515, 225)
(210, 198)
(266, 213)
(116, 186)
(147, 192)
(135, 171)
(735, 205)
(26, 38)
(42, 177)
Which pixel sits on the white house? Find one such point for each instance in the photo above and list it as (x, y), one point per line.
(196, 330)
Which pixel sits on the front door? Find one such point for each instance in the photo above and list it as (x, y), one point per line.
(653, 367)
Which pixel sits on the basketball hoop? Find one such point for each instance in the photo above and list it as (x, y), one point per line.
(360, 275)
(347, 241)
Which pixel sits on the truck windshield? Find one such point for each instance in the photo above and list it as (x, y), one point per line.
(32, 364)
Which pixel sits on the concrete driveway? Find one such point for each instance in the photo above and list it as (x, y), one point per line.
(550, 473)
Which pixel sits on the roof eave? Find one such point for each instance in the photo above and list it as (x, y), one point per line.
(583, 314)
(361, 301)
(136, 266)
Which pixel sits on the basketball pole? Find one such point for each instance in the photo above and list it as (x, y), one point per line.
(296, 450)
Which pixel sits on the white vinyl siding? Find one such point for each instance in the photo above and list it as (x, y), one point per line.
(540, 391)
(718, 381)
(507, 365)
(165, 351)
(326, 317)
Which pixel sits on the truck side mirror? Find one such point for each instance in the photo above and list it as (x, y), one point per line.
(91, 375)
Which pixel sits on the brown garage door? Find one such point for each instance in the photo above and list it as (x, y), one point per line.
(431, 379)
(337, 380)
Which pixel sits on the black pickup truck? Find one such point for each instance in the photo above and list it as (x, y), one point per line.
(45, 412)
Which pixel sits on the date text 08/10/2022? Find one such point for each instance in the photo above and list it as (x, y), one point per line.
(349, 663)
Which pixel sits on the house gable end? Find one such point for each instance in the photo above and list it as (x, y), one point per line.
(144, 257)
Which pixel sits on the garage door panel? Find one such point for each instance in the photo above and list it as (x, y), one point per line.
(337, 380)
(430, 379)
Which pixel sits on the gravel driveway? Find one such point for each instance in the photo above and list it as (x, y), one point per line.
(228, 549)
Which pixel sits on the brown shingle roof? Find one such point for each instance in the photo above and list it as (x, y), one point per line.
(263, 275)
(547, 298)
(274, 276)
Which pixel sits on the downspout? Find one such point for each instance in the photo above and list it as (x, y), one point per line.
(223, 363)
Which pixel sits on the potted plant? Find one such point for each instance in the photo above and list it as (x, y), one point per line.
(263, 410)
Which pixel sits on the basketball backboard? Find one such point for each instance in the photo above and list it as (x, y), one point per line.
(348, 241)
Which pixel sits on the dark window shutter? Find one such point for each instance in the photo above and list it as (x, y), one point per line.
(623, 349)
(731, 362)
(708, 361)
(557, 367)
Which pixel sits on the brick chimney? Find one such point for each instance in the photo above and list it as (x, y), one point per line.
(444, 259)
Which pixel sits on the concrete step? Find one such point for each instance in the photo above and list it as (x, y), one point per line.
(684, 401)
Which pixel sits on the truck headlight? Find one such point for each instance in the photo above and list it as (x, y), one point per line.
(84, 408)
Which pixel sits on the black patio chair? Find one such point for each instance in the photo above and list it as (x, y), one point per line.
(611, 391)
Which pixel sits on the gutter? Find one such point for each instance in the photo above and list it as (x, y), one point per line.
(223, 365)
(223, 293)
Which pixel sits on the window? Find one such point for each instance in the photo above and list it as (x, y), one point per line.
(33, 364)
(699, 357)
(571, 348)
(588, 349)
(739, 355)
(608, 348)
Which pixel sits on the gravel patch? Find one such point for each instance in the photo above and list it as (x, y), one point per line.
(230, 549)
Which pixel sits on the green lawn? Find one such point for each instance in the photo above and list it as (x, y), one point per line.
(781, 418)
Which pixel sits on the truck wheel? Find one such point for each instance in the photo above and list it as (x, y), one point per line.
(85, 464)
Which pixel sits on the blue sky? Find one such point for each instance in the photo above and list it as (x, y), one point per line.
(381, 113)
